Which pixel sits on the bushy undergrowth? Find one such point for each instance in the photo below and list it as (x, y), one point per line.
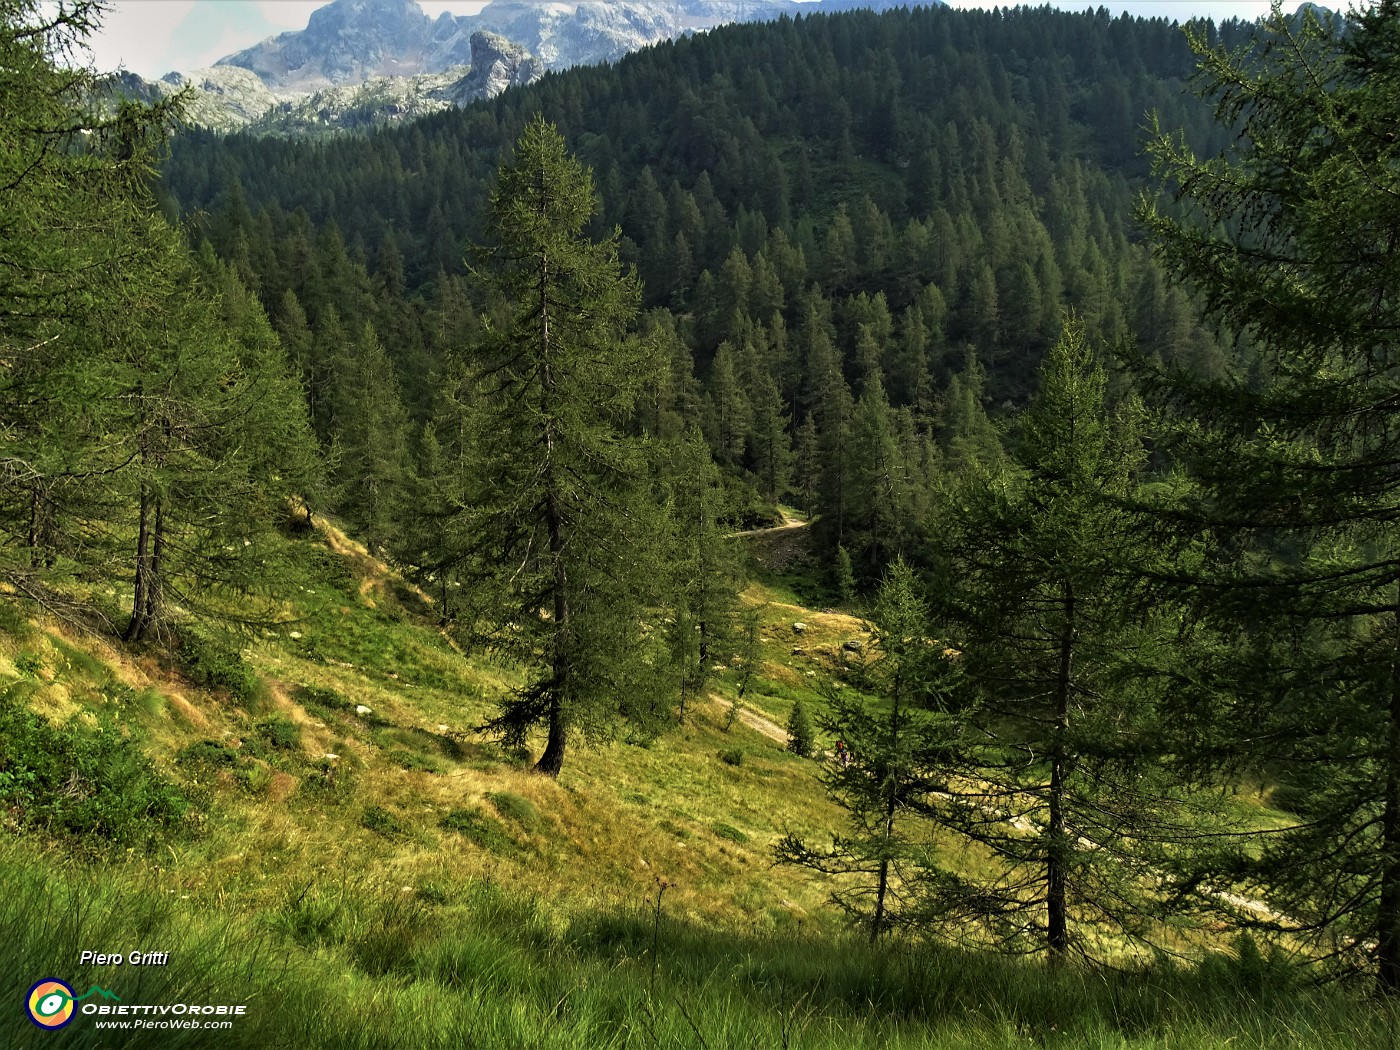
(219, 665)
(82, 779)
(481, 831)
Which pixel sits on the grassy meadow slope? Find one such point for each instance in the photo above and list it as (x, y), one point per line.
(357, 867)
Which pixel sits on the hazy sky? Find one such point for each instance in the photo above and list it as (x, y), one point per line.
(152, 37)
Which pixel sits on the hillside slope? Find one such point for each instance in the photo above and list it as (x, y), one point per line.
(357, 868)
(341, 741)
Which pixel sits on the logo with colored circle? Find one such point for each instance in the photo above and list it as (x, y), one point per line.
(50, 1003)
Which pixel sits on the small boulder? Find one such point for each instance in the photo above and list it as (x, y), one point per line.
(799, 627)
(362, 710)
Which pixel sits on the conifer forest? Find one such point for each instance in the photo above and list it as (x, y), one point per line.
(865, 529)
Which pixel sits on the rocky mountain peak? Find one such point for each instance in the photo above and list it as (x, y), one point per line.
(349, 41)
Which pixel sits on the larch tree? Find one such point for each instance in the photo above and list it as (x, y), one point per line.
(1289, 239)
(703, 590)
(1053, 771)
(897, 730)
(72, 186)
(564, 524)
(217, 439)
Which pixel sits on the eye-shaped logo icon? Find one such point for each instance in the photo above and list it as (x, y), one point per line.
(50, 1003)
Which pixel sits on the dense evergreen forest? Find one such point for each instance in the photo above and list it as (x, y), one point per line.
(895, 208)
(1101, 440)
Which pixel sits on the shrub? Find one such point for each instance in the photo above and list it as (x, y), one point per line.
(412, 761)
(321, 700)
(207, 753)
(419, 740)
(432, 892)
(732, 757)
(333, 781)
(215, 665)
(728, 831)
(480, 830)
(380, 821)
(71, 780)
(802, 739)
(515, 807)
(281, 732)
(253, 778)
(13, 621)
(843, 577)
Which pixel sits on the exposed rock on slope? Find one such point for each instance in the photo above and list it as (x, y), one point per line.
(350, 41)
(496, 65)
(362, 63)
(227, 98)
(224, 98)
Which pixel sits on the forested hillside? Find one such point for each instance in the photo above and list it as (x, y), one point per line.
(1004, 401)
(917, 195)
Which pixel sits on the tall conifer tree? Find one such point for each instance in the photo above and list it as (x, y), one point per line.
(562, 525)
(1290, 238)
(1052, 771)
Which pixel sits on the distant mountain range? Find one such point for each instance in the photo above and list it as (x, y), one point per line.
(364, 62)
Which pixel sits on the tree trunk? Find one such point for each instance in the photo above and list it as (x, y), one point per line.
(877, 922)
(1388, 914)
(137, 627)
(552, 761)
(1056, 860)
(36, 528)
(155, 586)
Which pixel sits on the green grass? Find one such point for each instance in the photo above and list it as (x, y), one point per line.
(344, 964)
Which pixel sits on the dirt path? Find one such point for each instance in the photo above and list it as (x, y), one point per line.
(1023, 824)
(757, 722)
(789, 523)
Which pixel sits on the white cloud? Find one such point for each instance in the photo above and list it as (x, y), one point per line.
(287, 14)
(136, 34)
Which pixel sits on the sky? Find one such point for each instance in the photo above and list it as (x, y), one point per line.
(152, 37)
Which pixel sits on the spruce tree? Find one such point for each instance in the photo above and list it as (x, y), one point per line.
(702, 594)
(562, 524)
(370, 443)
(801, 736)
